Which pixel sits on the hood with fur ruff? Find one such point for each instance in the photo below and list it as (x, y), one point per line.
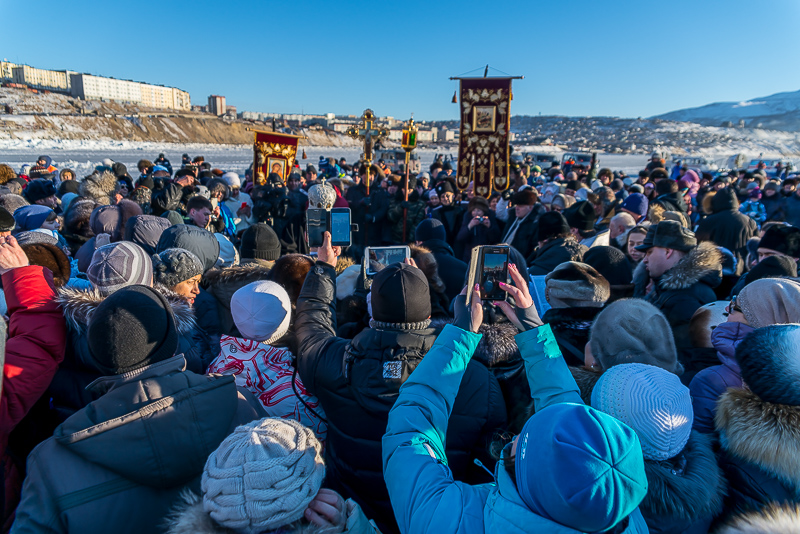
(773, 519)
(762, 433)
(78, 306)
(704, 262)
(102, 188)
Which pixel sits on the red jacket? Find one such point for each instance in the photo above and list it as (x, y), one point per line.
(37, 336)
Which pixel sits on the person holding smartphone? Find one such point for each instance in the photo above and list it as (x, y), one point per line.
(478, 227)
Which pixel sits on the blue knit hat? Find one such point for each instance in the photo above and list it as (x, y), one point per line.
(579, 467)
(31, 217)
(636, 203)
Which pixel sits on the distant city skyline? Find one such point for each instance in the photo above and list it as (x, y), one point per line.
(579, 58)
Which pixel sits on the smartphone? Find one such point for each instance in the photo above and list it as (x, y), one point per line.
(340, 227)
(335, 221)
(378, 258)
(316, 225)
(488, 267)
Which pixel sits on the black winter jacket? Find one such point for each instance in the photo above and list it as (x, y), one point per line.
(554, 253)
(525, 238)
(357, 381)
(672, 202)
(727, 227)
(687, 286)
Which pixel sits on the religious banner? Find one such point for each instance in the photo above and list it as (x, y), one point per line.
(485, 125)
(273, 153)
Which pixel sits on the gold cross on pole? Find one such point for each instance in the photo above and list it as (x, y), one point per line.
(367, 133)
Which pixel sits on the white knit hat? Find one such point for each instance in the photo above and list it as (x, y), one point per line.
(232, 179)
(261, 311)
(263, 476)
(650, 400)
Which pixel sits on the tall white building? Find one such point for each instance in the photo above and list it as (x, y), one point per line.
(90, 87)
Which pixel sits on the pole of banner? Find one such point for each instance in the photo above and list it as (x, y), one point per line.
(409, 142)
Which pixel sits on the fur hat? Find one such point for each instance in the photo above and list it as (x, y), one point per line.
(6, 174)
(232, 179)
(769, 363)
(290, 273)
(650, 400)
(770, 301)
(782, 238)
(175, 265)
(261, 311)
(551, 224)
(526, 197)
(12, 202)
(448, 185)
(263, 476)
(102, 188)
(51, 257)
(633, 331)
(38, 190)
(772, 267)
(611, 263)
(78, 216)
(479, 203)
(574, 284)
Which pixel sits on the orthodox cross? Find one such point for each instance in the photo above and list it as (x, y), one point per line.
(367, 133)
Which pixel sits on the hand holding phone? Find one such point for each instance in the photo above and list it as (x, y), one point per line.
(378, 258)
(523, 314)
(488, 268)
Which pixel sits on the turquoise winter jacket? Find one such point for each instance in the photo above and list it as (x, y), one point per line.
(425, 498)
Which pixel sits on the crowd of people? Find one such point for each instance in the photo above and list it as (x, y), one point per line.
(179, 360)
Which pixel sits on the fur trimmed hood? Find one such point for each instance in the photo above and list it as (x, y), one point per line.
(102, 188)
(236, 274)
(773, 519)
(78, 306)
(689, 486)
(189, 517)
(702, 262)
(497, 345)
(762, 433)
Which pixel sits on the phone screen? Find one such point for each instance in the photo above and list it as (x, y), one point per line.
(495, 270)
(340, 227)
(315, 225)
(380, 258)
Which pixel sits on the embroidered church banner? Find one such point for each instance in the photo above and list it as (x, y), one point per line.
(273, 152)
(483, 144)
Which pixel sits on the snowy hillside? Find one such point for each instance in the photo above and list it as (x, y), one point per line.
(780, 111)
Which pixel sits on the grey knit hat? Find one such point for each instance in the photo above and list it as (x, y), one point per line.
(175, 265)
(574, 284)
(118, 265)
(633, 331)
(263, 476)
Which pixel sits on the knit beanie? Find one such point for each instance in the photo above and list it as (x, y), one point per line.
(782, 238)
(118, 265)
(551, 224)
(633, 331)
(581, 215)
(261, 311)
(574, 284)
(31, 217)
(232, 179)
(260, 242)
(770, 301)
(611, 263)
(430, 229)
(651, 401)
(175, 265)
(400, 295)
(263, 476)
(772, 267)
(39, 189)
(131, 329)
(579, 467)
(768, 359)
(636, 203)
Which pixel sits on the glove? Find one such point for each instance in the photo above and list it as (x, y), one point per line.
(507, 194)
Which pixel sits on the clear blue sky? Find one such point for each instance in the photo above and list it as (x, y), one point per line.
(579, 57)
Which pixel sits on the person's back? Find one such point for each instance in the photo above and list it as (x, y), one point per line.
(431, 234)
(120, 463)
(727, 227)
(358, 381)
